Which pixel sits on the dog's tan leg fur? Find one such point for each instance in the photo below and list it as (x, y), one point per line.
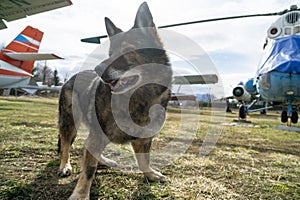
(141, 149)
(89, 167)
(66, 139)
(65, 168)
(67, 132)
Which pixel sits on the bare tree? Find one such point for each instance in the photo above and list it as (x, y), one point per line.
(43, 73)
(55, 78)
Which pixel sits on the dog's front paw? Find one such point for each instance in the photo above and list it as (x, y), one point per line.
(66, 171)
(78, 197)
(154, 176)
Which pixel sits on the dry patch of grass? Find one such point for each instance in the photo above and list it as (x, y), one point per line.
(246, 163)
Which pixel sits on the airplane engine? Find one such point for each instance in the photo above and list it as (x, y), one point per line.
(241, 94)
(250, 87)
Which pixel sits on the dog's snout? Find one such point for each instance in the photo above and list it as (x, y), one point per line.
(107, 72)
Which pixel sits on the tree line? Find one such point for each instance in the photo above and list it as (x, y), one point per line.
(46, 75)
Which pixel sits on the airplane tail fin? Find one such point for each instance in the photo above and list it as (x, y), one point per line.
(28, 41)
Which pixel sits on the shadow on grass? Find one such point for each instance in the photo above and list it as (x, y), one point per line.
(48, 185)
(143, 191)
(6, 108)
(278, 147)
(116, 184)
(266, 149)
(32, 124)
(44, 186)
(28, 100)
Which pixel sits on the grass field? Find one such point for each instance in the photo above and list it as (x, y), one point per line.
(255, 162)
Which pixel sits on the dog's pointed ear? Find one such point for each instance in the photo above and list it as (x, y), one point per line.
(143, 17)
(111, 28)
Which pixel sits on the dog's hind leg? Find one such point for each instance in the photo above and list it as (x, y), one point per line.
(67, 132)
(94, 146)
(141, 149)
(65, 142)
(89, 167)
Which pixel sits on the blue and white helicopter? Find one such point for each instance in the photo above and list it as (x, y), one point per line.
(277, 80)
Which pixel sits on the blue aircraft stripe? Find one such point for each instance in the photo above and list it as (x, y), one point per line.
(21, 38)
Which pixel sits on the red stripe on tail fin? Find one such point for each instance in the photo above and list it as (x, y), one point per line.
(27, 41)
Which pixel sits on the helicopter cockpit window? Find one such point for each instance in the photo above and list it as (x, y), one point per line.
(297, 29)
(292, 18)
(288, 31)
(265, 81)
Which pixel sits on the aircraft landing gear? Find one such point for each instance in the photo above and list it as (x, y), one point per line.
(291, 113)
(264, 112)
(242, 112)
(284, 116)
(294, 117)
(242, 115)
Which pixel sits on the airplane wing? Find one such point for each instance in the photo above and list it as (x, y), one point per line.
(32, 56)
(195, 79)
(11, 10)
(227, 98)
(35, 87)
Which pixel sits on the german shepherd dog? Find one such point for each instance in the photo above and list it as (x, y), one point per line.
(123, 100)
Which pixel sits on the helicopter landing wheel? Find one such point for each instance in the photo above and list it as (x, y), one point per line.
(242, 112)
(284, 116)
(294, 117)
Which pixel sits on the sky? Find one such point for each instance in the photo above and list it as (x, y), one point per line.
(234, 47)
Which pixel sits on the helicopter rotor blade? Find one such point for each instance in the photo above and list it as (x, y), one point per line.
(95, 39)
(219, 19)
(293, 7)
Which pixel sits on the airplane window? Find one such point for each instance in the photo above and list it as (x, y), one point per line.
(287, 31)
(297, 29)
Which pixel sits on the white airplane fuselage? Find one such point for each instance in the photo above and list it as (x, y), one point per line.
(12, 76)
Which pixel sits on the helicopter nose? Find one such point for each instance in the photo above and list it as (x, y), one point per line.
(282, 56)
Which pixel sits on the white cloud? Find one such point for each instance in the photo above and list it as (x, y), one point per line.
(234, 45)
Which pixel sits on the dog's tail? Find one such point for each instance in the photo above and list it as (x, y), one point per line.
(66, 124)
